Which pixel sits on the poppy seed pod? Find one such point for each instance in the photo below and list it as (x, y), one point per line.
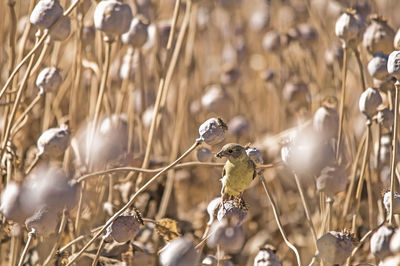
(271, 41)
(215, 99)
(259, 19)
(266, 257)
(213, 261)
(333, 55)
(204, 155)
(112, 17)
(326, 122)
(53, 142)
(45, 13)
(129, 65)
(230, 238)
(44, 221)
(124, 228)
(396, 42)
(239, 126)
(234, 214)
(49, 79)
(332, 180)
(179, 252)
(335, 247)
(212, 208)
(395, 242)
(384, 85)
(10, 206)
(385, 118)
(307, 33)
(369, 102)
(230, 74)
(297, 94)
(378, 37)
(88, 35)
(137, 34)
(377, 66)
(391, 261)
(380, 241)
(61, 30)
(212, 131)
(349, 28)
(393, 65)
(255, 155)
(396, 202)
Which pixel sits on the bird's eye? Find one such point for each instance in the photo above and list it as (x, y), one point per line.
(230, 151)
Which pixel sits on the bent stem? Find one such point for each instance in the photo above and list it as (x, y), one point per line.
(101, 247)
(31, 235)
(342, 100)
(132, 199)
(394, 153)
(278, 222)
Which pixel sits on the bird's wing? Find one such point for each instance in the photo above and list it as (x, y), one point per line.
(252, 166)
(223, 171)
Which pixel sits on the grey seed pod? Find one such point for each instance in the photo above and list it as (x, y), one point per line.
(296, 94)
(380, 241)
(333, 55)
(88, 35)
(271, 41)
(212, 131)
(267, 75)
(369, 102)
(44, 221)
(307, 33)
(239, 126)
(266, 257)
(393, 65)
(204, 155)
(137, 34)
(230, 74)
(53, 142)
(45, 13)
(378, 37)
(211, 260)
(230, 238)
(179, 252)
(384, 85)
(113, 134)
(163, 29)
(231, 212)
(396, 202)
(326, 122)
(147, 116)
(49, 79)
(10, 206)
(215, 99)
(61, 30)
(332, 180)
(395, 242)
(396, 42)
(259, 19)
(255, 155)
(386, 147)
(124, 228)
(377, 66)
(390, 261)
(335, 247)
(385, 118)
(129, 65)
(212, 208)
(112, 17)
(48, 187)
(349, 28)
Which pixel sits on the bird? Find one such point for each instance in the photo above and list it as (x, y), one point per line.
(239, 170)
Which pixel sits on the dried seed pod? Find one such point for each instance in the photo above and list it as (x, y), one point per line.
(386, 146)
(259, 19)
(61, 30)
(230, 74)
(396, 202)
(377, 66)
(267, 75)
(179, 252)
(112, 17)
(212, 131)
(163, 30)
(129, 65)
(44, 221)
(326, 122)
(213, 261)
(230, 238)
(230, 211)
(333, 55)
(385, 118)
(378, 37)
(395, 242)
(10, 206)
(239, 126)
(137, 34)
(266, 257)
(212, 209)
(380, 241)
(53, 142)
(255, 155)
(349, 28)
(332, 180)
(384, 85)
(88, 35)
(215, 99)
(45, 13)
(297, 95)
(49, 79)
(335, 247)
(393, 65)
(396, 42)
(204, 155)
(271, 41)
(124, 228)
(307, 33)
(390, 261)
(369, 102)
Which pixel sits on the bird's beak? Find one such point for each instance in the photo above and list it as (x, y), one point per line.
(219, 154)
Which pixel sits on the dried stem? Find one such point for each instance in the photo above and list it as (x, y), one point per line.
(342, 100)
(31, 235)
(99, 250)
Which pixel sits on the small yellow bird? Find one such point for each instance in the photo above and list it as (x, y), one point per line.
(239, 170)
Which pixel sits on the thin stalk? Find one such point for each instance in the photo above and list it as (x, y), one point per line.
(378, 154)
(27, 110)
(342, 100)
(125, 83)
(360, 68)
(394, 147)
(31, 235)
(59, 234)
(99, 250)
(329, 203)
(278, 222)
(132, 199)
(362, 175)
(39, 61)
